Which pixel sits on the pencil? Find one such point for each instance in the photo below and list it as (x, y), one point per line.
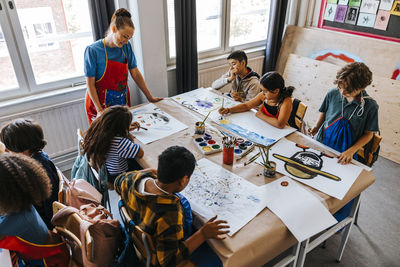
(140, 127)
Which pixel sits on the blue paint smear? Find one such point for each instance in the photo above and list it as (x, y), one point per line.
(253, 198)
(252, 136)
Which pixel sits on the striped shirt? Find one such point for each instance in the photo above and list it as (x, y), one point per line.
(121, 149)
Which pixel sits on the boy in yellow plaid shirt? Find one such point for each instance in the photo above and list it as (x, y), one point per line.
(153, 201)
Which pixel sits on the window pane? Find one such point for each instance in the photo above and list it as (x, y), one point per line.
(208, 16)
(8, 79)
(56, 34)
(249, 21)
(171, 28)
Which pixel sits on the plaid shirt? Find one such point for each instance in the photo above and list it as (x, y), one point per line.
(161, 216)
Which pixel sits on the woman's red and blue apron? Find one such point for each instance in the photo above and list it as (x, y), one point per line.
(339, 136)
(270, 111)
(112, 88)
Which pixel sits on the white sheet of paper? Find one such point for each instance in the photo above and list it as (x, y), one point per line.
(203, 100)
(159, 123)
(212, 190)
(247, 125)
(298, 208)
(323, 173)
(5, 259)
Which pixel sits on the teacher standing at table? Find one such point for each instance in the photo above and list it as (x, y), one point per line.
(107, 64)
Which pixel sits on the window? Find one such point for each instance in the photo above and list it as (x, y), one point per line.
(224, 25)
(42, 43)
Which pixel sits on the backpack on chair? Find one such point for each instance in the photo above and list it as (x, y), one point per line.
(297, 115)
(369, 153)
(98, 238)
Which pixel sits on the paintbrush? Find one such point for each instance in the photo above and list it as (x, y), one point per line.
(253, 158)
(140, 127)
(245, 153)
(202, 123)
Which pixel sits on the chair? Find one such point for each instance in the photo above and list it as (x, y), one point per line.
(297, 115)
(368, 154)
(142, 240)
(82, 169)
(71, 231)
(62, 191)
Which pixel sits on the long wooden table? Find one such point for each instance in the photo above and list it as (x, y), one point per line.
(264, 237)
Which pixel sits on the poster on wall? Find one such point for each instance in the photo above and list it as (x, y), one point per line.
(382, 20)
(354, 2)
(366, 20)
(351, 16)
(386, 5)
(395, 9)
(369, 6)
(340, 13)
(314, 168)
(330, 12)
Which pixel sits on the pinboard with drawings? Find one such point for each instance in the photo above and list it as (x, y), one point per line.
(377, 19)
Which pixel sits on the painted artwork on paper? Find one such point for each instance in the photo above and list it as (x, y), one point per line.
(314, 168)
(354, 2)
(343, 2)
(351, 16)
(369, 6)
(203, 100)
(158, 123)
(212, 190)
(248, 126)
(336, 56)
(395, 9)
(366, 20)
(382, 20)
(340, 13)
(330, 12)
(386, 5)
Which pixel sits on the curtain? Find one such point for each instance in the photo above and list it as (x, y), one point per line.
(101, 12)
(186, 45)
(276, 26)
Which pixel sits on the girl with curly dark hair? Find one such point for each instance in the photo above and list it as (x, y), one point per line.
(26, 137)
(23, 183)
(108, 141)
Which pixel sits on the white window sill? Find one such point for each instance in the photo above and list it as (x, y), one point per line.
(40, 100)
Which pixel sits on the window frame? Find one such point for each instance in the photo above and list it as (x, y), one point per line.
(225, 32)
(17, 48)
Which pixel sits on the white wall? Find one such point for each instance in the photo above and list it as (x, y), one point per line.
(149, 47)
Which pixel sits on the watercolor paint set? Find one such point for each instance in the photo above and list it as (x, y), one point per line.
(242, 147)
(207, 145)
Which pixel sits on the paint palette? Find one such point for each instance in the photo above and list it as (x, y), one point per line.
(241, 147)
(207, 144)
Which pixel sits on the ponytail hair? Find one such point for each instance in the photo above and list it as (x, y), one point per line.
(120, 19)
(273, 80)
